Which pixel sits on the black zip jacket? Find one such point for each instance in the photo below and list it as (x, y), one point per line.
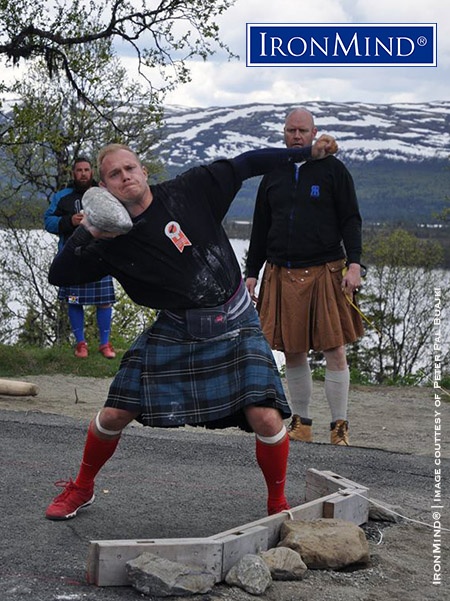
(177, 255)
(307, 222)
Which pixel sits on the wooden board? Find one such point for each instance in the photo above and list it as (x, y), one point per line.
(107, 559)
(348, 505)
(237, 544)
(306, 511)
(321, 483)
(329, 496)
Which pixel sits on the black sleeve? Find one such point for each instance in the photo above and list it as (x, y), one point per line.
(258, 162)
(76, 263)
(350, 221)
(257, 251)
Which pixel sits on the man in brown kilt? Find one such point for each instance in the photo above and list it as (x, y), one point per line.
(307, 230)
(204, 361)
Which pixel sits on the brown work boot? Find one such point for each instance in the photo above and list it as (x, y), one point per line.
(339, 432)
(300, 428)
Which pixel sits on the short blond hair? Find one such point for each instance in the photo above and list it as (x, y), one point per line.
(110, 148)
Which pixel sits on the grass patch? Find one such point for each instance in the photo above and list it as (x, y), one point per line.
(18, 361)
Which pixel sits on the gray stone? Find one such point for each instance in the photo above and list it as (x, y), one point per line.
(251, 574)
(326, 543)
(284, 563)
(105, 211)
(155, 576)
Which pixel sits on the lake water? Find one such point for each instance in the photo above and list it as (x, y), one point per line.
(44, 248)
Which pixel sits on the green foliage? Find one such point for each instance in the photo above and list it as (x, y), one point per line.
(360, 378)
(356, 376)
(30, 311)
(77, 95)
(445, 387)
(128, 321)
(50, 126)
(31, 332)
(19, 360)
(161, 37)
(398, 248)
(398, 298)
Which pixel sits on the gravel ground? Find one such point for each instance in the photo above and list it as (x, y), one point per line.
(192, 482)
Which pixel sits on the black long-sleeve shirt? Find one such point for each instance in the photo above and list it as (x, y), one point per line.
(177, 255)
(307, 222)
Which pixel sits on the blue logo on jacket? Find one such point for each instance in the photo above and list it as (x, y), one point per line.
(315, 191)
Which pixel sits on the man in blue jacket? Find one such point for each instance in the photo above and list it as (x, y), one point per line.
(62, 217)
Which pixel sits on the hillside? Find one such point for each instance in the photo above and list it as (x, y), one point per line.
(398, 154)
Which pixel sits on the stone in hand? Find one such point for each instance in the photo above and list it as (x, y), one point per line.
(105, 211)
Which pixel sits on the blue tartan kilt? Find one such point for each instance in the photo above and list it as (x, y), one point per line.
(93, 293)
(173, 379)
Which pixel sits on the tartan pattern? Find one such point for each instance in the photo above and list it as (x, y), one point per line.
(93, 293)
(173, 379)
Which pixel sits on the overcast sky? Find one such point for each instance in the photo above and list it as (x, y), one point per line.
(221, 83)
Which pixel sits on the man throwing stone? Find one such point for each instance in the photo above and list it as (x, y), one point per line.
(204, 361)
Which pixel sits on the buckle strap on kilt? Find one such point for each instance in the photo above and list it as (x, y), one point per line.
(213, 321)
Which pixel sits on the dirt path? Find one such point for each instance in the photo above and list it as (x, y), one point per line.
(390, 418)
(398, 420)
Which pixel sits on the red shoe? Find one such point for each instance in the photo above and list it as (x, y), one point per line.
(81, 350)
(67, 504)
(277, 506)
(107, 350)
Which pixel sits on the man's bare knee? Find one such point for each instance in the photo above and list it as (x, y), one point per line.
(295, 359)
(265, 421)
(336, 358)
(111, 421)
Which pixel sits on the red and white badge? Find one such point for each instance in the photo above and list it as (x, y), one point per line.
(176, 234)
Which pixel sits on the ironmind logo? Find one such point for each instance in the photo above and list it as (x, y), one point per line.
(341, 45)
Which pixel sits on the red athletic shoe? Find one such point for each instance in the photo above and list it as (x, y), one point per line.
(67, 504)
(81, 350)
(277, 506)
(107, 350)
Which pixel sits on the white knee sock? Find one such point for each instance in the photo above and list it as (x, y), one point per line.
(337, 385)
(299, 381)
(273, 439)
(103, 430)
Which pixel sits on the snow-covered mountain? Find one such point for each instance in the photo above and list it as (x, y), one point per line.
(398, 154)
(365, 132)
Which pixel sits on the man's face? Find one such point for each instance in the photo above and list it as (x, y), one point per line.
(299, 130)
(124, 176)
(82, 175)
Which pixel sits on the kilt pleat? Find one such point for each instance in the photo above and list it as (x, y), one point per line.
(304, 308)
(173, 379)
(93, 293)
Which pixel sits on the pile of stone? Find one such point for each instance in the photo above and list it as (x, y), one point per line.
(317, 544)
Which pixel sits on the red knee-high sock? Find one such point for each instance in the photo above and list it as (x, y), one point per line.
(272, 459)
(96, 453)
